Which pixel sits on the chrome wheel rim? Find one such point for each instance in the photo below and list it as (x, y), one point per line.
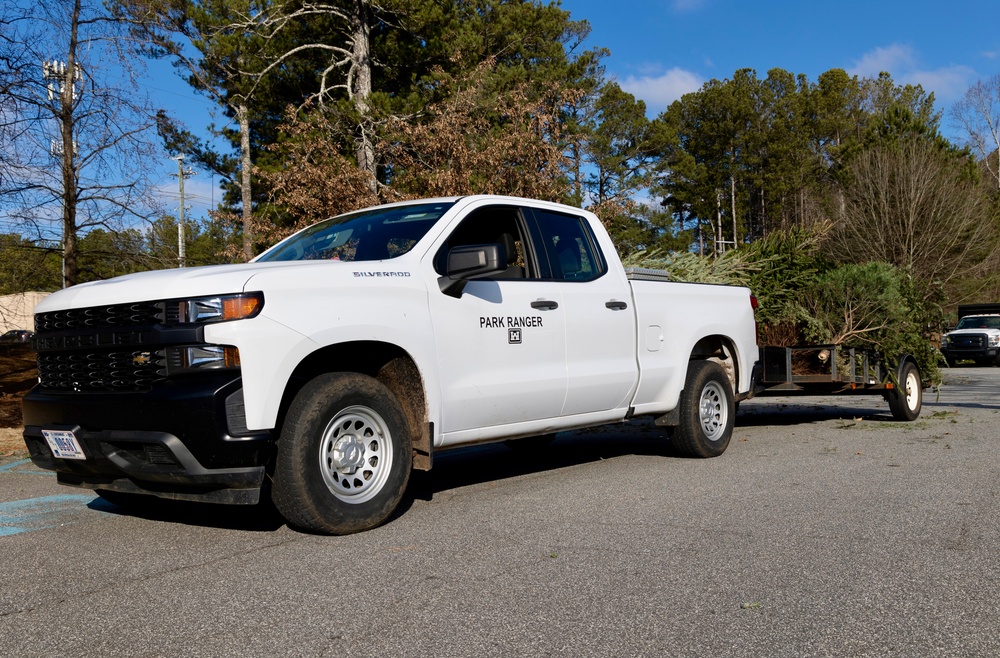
(355, 454)
(713, 411)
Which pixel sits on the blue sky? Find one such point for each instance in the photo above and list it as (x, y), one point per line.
(661, 49)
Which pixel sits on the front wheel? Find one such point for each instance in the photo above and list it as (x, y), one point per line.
(707, 411)
(344, 455)
(906, 399)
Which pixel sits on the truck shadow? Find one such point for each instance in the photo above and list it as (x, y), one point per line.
(496, 461)
(784, 415)
(251, 518)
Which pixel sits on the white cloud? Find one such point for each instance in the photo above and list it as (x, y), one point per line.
(660, 91)
(948, 83)
(901, 61)
(892, 58)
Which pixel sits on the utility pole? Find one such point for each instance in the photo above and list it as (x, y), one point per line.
(62, 78)
(181, 174)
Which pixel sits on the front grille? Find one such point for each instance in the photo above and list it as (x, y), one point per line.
(100, 371)
(977, 341)
(100, 317)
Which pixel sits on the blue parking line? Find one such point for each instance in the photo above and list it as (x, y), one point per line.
(11, 466)
(15, 467)
(19, 516)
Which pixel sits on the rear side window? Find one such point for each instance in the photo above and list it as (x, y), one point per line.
(570, 246)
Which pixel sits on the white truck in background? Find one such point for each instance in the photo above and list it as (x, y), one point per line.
(975, 338)
(345, 356)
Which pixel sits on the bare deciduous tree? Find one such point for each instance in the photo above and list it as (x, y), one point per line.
(915, 207)
(350, 58)
(978, 114)
(78, 134)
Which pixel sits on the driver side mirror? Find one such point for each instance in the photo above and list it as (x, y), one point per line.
(469, 262)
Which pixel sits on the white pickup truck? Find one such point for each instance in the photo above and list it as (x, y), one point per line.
(345, 356)
(977, 337)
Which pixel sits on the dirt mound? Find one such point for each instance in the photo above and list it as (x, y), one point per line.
(17, 375)
(11, 443)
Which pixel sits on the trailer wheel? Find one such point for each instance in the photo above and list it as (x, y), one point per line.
(344, 455)
(906, 399)
(707, 411)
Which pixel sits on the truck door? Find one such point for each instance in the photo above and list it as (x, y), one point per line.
(500, 345)
(600, 321)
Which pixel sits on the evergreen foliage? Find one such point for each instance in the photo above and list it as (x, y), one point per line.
(806, 297)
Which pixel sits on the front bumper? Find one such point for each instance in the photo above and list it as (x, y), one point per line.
(958, 353)
(185, 439)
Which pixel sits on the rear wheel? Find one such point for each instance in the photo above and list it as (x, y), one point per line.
(906, 399)
(344, 455)
(707, 411)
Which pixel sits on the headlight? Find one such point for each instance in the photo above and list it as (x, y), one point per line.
(198, 358)
(994, 341)
(220, 308)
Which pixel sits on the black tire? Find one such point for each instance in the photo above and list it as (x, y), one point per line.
(707, 411)
(344, 455)
(906, 399)
(950, 361)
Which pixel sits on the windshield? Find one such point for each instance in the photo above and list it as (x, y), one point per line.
(366, 235)
(971, 322)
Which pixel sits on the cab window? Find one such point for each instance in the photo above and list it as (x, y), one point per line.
(570, 247)
(492, 225)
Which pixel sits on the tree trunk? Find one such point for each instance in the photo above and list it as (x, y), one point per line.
(732, 199)
(361, 66)
(68, 160)
(242, 115)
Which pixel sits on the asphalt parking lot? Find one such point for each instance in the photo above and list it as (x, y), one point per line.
(826, 529)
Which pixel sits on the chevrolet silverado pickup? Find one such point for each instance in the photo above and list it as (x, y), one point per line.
(328, 368)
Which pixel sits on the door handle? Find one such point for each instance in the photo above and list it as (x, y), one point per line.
(616, 305)
(544, 305)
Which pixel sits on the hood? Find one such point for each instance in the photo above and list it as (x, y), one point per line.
(973, 330)
(174, 284)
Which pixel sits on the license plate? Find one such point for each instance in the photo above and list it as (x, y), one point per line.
(63, 444)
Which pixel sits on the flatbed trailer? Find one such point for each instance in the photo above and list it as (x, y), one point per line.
(813, 370)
